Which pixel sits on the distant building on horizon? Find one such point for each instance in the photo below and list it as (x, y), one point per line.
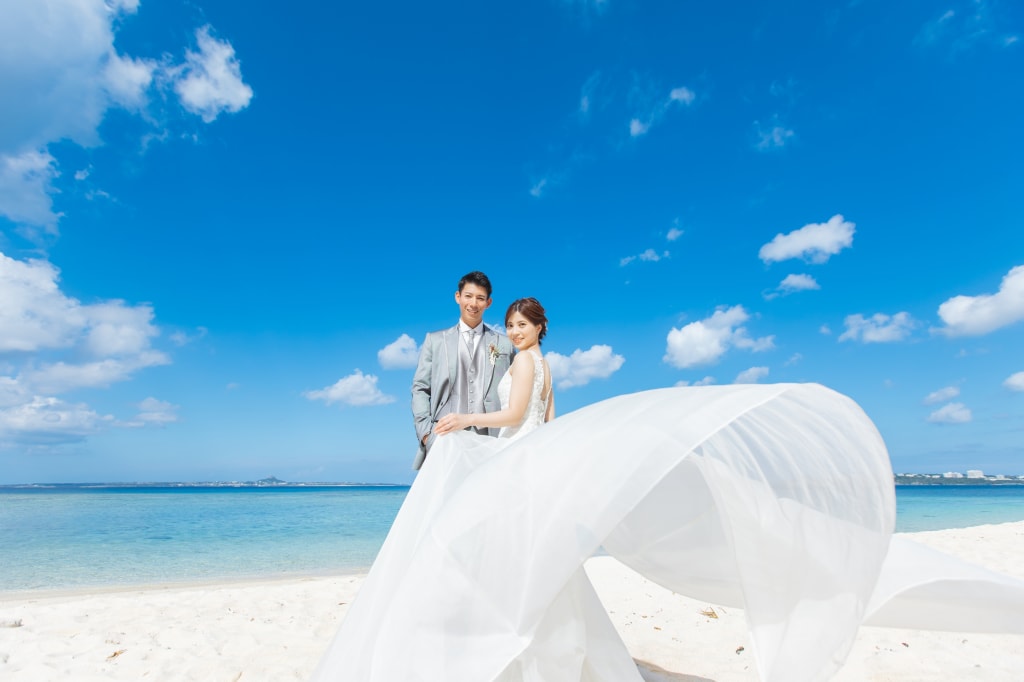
(975, 473)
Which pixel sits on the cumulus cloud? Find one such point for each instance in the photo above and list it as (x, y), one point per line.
(977, 315)
(814, 242)
(879, 328)
(751, 376)
(792, 284)
(674, 234)
(798, 283)
(583, 366)
(49, 421)
(1015, 382)
(210, 81)
(401, 353)
(63, 345)
(26, 182)
(357, 390)
(60, 73)
(951, 413)
(705, 341)
(941, 395)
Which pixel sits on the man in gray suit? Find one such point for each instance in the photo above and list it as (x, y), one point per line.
(460, 367)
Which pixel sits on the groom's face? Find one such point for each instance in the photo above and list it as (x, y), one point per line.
(473, 301)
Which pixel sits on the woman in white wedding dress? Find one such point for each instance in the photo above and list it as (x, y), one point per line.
(777, 499)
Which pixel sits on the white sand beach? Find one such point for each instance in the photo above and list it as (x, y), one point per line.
(277, 630)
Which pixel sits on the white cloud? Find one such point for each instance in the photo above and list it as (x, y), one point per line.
(587, 94)
(578, 369)
(638, 127)
(951, 413)
(26, 182)
(1015, 382)
(684, 96)
(674, 234)
(706, 381)
(879, 328)
(48, 421)
(60, 73)
(798, 283)
(210, 82)
(126, 80)
(642, 123)
(399, 354)
(60, 377)
(825, 329)
(961, 29)
(792, 284)
(815, 242)
(977, 315)
(181, 338)
(650, 256)
(705, 341)
(793, 359)
(772, 136)
(153, 411)
(35, 314)
(537, 189)
(751, 376)
(63, 345)
(941, 395)
(357, 390)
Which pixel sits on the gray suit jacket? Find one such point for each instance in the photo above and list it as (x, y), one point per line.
(435, 376)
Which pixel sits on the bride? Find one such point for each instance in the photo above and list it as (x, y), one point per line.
(777, 499)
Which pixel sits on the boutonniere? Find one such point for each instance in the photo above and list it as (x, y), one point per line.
(492, 353)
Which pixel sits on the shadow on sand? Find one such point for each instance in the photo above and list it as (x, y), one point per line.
(654, 673)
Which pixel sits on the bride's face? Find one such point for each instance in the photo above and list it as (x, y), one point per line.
(521, 332)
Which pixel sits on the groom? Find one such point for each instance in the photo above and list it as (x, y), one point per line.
(459, 368)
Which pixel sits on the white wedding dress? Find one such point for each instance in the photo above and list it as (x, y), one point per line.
(777, 499)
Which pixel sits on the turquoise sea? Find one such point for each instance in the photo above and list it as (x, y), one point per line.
(65, 537)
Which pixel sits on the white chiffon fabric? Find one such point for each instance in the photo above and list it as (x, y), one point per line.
(777, 499)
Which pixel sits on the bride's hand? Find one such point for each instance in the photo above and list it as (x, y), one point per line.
(451, 422)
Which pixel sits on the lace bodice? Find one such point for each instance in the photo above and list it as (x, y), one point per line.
(537, 407)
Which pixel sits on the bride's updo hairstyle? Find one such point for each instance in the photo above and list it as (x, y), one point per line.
(532, 310)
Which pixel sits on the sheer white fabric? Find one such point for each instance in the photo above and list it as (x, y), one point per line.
(777, 499)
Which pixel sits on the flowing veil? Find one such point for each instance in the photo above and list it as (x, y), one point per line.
(778, 499)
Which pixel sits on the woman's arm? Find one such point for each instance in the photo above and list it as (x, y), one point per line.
(522, 383)
(550, 413)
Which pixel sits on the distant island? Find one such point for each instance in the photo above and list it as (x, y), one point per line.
(972, 477)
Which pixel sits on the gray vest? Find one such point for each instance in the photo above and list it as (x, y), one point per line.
(470, 378)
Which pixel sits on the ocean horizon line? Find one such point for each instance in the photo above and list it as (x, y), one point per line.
(900, 479)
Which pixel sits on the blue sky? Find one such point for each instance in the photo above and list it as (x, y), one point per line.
(224, 231)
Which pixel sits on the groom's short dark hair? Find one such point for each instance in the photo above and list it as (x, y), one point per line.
(478, 278)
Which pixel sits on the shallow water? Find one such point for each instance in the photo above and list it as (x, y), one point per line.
(69, 538)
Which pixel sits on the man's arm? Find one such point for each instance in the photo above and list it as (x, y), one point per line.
(421, 391)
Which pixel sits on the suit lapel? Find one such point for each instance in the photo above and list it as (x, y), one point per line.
(487, 339)
(451, 349)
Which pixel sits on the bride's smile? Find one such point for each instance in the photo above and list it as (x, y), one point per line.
(522, 333)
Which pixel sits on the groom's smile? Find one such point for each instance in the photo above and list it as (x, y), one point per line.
(473, 300)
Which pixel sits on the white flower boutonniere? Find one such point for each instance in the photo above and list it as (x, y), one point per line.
(492, 353)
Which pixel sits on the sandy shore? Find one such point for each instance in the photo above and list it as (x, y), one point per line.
(269, 631)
